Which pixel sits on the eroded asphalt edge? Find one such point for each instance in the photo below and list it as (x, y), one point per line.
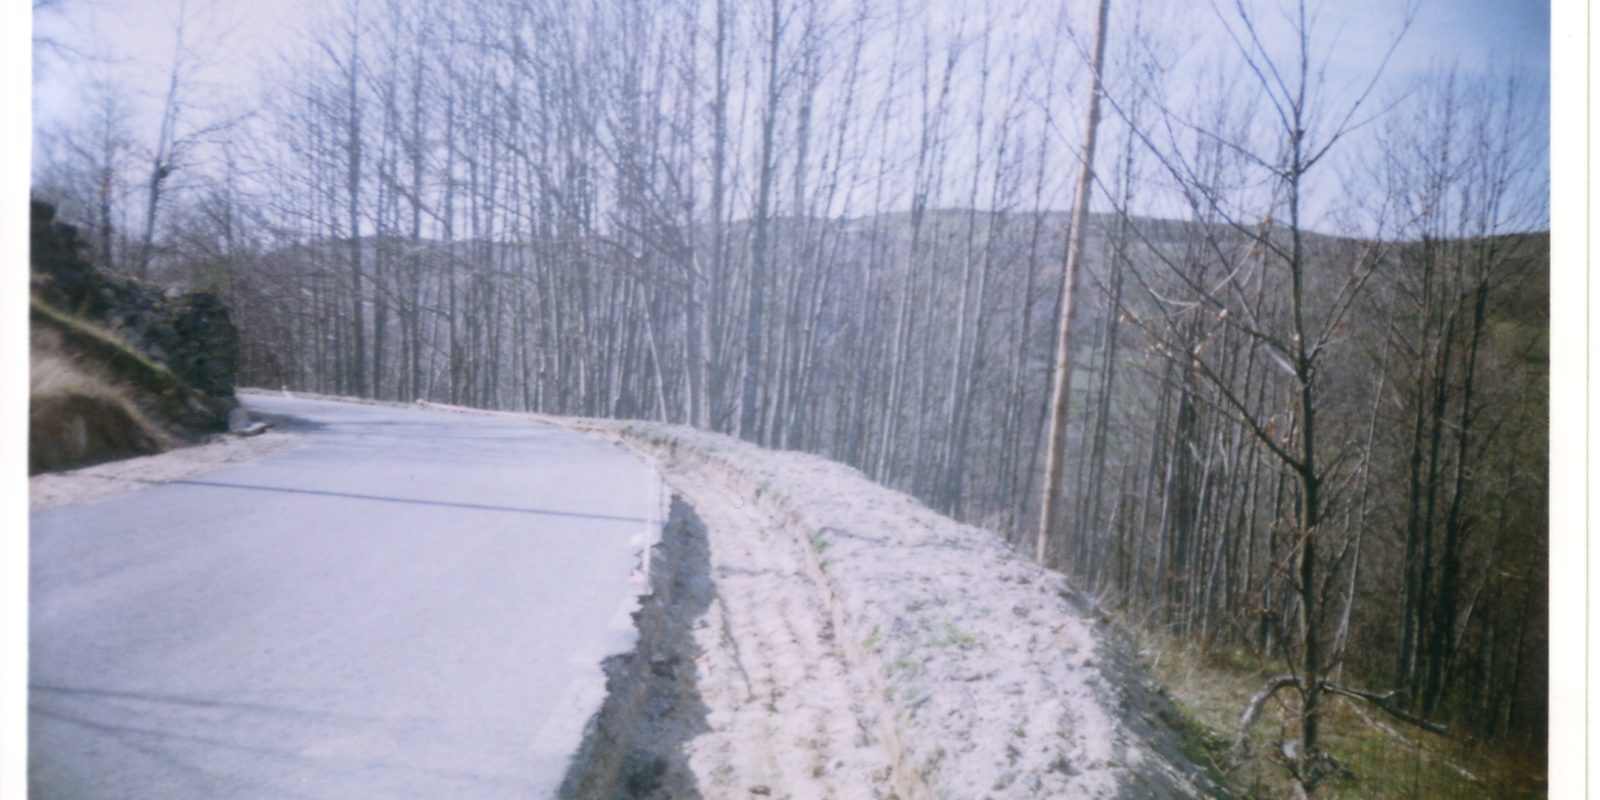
(606, 734)
(619, 757)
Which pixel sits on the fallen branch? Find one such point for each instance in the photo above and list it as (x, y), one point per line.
(1252, 713)
(1258, 701)
(1385, 701)
(1415, 747)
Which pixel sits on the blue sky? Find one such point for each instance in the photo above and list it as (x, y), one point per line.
(237, 42)
(241, 35)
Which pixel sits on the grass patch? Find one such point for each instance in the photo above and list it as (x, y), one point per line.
(905, 665)
(955, 637)
(76, 334)
(1381, 758)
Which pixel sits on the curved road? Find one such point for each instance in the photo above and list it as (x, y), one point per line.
(407, 603)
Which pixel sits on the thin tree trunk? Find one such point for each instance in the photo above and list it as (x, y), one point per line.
(1061, 387)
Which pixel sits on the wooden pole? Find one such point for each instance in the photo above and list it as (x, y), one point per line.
(1061, 388)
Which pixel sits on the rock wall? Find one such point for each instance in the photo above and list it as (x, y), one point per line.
(191, 333)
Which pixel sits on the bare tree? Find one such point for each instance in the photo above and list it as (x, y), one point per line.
(1298, 339)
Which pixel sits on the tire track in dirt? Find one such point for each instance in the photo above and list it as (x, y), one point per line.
(800, 725)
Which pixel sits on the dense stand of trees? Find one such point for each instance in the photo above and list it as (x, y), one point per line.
(837, 227)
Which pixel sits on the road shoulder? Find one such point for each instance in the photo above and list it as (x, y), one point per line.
(99, 481)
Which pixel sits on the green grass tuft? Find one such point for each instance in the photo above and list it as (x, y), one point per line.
(956, 637)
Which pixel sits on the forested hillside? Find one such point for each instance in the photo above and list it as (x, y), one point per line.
(1309, 407)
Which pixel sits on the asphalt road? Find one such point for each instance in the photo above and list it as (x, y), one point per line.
(408, 603)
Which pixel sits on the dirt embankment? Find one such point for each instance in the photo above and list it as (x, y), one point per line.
(818, 635)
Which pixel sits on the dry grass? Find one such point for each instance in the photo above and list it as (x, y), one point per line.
(1382, 759)
(77, 416)
(53, 375)
(87, 338)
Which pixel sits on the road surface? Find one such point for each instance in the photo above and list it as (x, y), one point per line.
(408, 603)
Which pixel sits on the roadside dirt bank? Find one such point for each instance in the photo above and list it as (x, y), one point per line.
(838, 639)
(85, 484)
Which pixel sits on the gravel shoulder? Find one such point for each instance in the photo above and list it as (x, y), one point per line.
(859, 644)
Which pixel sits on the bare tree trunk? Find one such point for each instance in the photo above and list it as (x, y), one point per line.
(353, 156)
(1061, 387)
(161, 165)
(749, 397)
